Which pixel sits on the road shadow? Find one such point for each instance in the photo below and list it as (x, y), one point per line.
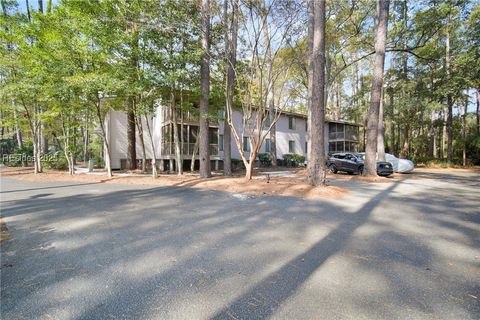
(263, 299)
(176, 252)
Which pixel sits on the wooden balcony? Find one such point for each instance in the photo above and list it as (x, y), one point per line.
(187, 116)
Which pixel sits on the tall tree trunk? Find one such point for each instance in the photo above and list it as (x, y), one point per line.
(18, 133)
(338, 100)
(132, 100)
(86, 141)
(405, 39)
(249, 166)
(381, 25)
(270, 88)
(231, 57)
(40, 6)
(392, 138)
(205, 170)
(29, 15)
(392, 125)
(131, 136)
(449, 129)
(449, 97)
(152, 145)
(464, 131)
(44, 140)
(106, 143)
(444, 134)
(194, 153)
(392, 93)
(67, 144)
(432, 145)
(310, 34)
(74, 141)
(316, 33)
(249, 170)
(381, 130)
(36, 132)
(138, 120)
(406, 141)
(398, 139)
(355, 82)
(36, 168)
(176, 138)
(478, 111)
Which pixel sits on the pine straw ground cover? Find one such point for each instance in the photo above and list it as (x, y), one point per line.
(295, 185)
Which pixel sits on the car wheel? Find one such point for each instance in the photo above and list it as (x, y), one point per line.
(360, 170)
(332, 168)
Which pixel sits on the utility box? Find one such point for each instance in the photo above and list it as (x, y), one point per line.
(90, 165)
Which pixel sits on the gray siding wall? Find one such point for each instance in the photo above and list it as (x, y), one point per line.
(116, 122)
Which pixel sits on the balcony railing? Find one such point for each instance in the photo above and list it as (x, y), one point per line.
(342, 136)
(188, 116)
(336, 135)
(168, 148)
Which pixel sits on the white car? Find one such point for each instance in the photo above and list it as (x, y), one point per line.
(399, 165)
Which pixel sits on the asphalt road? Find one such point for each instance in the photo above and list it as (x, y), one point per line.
(408, 250)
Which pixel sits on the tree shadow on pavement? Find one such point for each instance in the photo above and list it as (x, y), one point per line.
(175, 252)
(297, 270)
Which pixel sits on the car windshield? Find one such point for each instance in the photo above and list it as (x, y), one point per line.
(360, 156)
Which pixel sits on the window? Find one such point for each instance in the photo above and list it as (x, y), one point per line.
(291, 146)
(193, 134)
(340, 146)
(267, 121)
(267, 145)
(340, 131)
(332, 147)
(291, 123)
(351, 132)
(212, 135)
(220, 142)
(245, 144)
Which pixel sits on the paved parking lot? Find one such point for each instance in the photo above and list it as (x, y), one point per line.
(99, 251)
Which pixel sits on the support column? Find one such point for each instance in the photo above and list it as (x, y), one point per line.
(170, 165)
(216, 165)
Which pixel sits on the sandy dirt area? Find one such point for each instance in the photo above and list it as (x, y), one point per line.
(295, 186)
(259, 185)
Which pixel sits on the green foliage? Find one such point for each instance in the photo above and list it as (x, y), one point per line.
(237, 164)
(473, 148)
(54, 160)
(264, 159)
(7, 146)
(293, 160)
(13, 156)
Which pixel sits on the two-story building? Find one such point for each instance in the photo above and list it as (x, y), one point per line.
(291, 137)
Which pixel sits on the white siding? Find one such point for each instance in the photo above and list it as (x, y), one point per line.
(116, 124)
(283, 135)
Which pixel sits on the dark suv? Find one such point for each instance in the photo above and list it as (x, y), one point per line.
(353, 163)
